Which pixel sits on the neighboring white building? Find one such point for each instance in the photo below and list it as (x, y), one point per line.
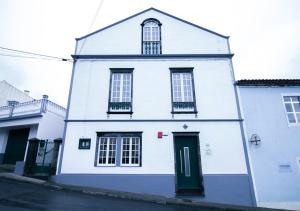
(271, 109)
(23, 118)
(153, 109)
(9, 93)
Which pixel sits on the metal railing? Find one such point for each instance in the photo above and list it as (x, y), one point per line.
(184, 106)
(151, 47)
(30, 107)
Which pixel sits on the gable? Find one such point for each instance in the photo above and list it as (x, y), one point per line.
(10, 93)
(177, 37)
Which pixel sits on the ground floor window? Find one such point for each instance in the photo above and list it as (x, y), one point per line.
(130, 151)
(107, 151)
(118, 149)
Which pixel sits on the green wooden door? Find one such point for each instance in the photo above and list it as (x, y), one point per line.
(188, 175)
(16, 145)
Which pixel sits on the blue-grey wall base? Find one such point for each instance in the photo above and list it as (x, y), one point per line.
(162, 184)
(227, 189)
(1, 158)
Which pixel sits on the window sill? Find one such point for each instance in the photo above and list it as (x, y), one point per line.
(119, 112)
(123, 165)
(294, 124)
(184, 112)
(108, 165)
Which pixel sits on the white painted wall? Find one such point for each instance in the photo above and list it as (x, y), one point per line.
(152, 88)
(9, 92)
(20, 122)
(51, 126)
(223, 139)
(177, 38)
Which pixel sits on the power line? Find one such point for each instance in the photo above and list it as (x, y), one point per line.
(36, 55)
(27, 57)
(93, 21)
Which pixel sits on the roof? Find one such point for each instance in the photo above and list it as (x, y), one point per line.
(151, 8)
(268, 82)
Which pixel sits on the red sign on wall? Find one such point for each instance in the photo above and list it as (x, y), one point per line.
(159, 134)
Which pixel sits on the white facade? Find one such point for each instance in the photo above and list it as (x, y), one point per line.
(11, 93)
(217, 122)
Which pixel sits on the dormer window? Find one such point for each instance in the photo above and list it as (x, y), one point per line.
(151, 43)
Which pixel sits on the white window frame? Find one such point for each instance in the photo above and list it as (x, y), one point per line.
(297, 123)
(184, 96)
(182, 90)
(130, 152)
(107, 151)
(152, 35)
(121, 96)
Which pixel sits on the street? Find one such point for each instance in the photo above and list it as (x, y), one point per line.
(16, 195)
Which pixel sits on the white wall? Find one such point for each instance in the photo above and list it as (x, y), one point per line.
(177, 38)
(20, 122)
(220, 144)
(9, 92)
(152, 89)
(51, 126)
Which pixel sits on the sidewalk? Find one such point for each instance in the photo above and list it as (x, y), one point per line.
(131, 196)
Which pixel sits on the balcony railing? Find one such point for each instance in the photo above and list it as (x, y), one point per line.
(151, 47)
(184, 106)
(30, 108)
(119, 106)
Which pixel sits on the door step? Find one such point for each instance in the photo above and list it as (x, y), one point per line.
(7, 168)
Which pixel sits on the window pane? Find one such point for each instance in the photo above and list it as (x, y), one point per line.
(130, 151)
(125, 150)
(187, 87)
(296, 107)
(298, 117)
(295, 99)
(151, 38)
(291, 118)
(126, 92)
(288, 107)
(112, 151)
(121, 92)
(102, 150)
(177, 95)
(286, 99)
(116, 87)
(107, 151)
(183, 99)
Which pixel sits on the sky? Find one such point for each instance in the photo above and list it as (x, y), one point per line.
(264, 35)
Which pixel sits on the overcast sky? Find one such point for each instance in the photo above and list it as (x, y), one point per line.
(264, 35)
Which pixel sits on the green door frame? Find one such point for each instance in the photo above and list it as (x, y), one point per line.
(189, 134)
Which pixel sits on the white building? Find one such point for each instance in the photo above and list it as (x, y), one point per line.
(23, 118)
(153, 109)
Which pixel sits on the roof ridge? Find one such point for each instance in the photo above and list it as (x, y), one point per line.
(268, 82)
(157, 10)
(16, 89)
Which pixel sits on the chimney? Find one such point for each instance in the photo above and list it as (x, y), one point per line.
(45, 97)
(26, 92)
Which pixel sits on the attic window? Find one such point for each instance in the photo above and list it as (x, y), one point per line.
(151, 40)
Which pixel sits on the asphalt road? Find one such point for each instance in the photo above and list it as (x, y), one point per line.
(16, 195)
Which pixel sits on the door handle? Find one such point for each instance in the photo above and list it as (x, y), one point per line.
(180, 161)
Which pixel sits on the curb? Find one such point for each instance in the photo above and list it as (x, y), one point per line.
(133, 196)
